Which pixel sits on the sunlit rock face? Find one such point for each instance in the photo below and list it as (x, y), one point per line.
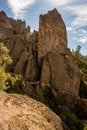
(18, 112)
(61, 76)
(59, 73)
(52, 34)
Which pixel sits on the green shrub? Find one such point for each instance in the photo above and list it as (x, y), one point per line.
(5, 60)
(39, 94)
(15, 84)
(82, 65)
(48, 100)
(72, 121)
(3, 80)
(85, 128)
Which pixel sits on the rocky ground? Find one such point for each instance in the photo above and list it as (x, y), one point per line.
(18, 112)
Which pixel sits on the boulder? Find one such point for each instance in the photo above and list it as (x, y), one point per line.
(62, 76)
(52, 34)
(20, 66)
(18, 112)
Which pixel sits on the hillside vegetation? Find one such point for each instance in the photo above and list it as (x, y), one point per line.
(82, 65)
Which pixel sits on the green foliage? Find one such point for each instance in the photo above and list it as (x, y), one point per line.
(72, 121)
(7, 82)
(77, 52)
(28, 37)
(85, 128)
(15, 84)
(82, 65)
(3, 80)
(39, 94)
(47, 100)
(5, 60)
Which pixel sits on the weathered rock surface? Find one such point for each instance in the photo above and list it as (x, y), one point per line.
(58, 73)
(18, 112)
(62, 76)
(16, 37)
(52, 34)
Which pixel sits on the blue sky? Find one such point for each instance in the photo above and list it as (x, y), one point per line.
(74, 14)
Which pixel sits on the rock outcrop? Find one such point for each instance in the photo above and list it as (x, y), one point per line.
(52, 34)
(62, 77)
(59, 74)
(43, 57)
(21, 112)
(22, 46)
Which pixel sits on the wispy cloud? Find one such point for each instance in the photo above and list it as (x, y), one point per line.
(58, 2)
(80, 12)
(80, 35)
(19, 7)
(77, 8)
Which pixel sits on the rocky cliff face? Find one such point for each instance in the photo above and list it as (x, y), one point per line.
(43, 56)
(52, 34)
(21, 112)
(62, 77)
(59, 74)
(16, 37)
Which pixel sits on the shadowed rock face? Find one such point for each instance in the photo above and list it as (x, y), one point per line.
(52, 34)
(13, 34)
(62, 77)
(23, 113)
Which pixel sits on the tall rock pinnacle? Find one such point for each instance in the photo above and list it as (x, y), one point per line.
(52, 34)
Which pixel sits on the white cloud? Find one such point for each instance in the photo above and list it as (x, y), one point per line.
(18, 7)
(80, 12)
(77, 8)
(57, 2)
(81, 36)
(69, 29)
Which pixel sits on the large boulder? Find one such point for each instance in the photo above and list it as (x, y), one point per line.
(18, 112)
(52, 34)
(62, 76)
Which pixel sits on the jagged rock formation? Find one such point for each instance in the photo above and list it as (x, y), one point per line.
(52, 34)
(59, 74)
(21, 112)
(16, 37)
(43, 56)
